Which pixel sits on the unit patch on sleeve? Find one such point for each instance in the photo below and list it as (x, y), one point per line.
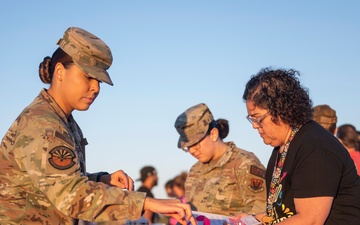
(256, 185)
(62, 158)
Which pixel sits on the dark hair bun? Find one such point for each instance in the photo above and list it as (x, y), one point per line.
(44, 70)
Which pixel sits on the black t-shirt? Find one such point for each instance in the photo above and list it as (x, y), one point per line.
(317, 164)
(148, 194)
(146, 190)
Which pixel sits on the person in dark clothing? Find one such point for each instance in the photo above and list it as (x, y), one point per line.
(310, 177)
(149, 179)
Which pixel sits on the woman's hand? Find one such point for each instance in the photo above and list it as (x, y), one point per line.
(235, 219)
(118, 179)
(171, 207)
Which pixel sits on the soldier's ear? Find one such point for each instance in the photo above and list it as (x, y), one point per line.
(59, 71)
(214, 134)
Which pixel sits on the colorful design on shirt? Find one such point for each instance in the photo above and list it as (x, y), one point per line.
(275, 190)
(62, 158)
(278, 199)
(285, 211)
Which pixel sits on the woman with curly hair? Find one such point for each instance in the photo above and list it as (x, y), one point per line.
(310, 176)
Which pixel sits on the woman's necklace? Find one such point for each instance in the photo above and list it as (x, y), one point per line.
(275, 180)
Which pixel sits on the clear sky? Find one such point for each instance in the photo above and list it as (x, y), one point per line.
(170, 55)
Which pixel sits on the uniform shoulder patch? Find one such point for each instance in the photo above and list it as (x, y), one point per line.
(254, 170)
(256, 185)
(62, 158)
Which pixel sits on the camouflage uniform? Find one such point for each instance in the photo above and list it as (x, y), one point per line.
(229, 185)
(42, 173)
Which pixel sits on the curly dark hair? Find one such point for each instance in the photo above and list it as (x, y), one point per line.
(280, 92)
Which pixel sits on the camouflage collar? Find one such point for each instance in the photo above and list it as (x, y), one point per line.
(44, 95)
(222, 160)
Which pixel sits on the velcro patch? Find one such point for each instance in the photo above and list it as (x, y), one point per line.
(62, 158)
(254, 170)
(256, 185)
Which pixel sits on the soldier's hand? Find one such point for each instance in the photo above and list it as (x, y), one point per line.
(119, 179)
(171, 207)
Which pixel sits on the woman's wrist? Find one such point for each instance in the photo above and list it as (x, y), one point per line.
(262, 218)
(99, 175)
(147, 202)
(259, 217)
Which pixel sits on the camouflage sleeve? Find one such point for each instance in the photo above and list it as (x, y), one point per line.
(251, 176)
(54, 168)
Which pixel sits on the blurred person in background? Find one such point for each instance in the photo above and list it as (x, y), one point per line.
(179, 191)
(326, 117)
(358, 135)
(179, 186)
(149, 179)
(169, 188)
(347, 135)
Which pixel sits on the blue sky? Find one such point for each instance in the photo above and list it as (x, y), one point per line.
(170, 55)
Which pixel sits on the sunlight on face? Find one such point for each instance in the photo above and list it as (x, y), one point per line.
(79, 90)
(271, 133)
(204, 152)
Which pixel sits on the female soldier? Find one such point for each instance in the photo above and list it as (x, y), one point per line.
(226, 180)
(42, 161)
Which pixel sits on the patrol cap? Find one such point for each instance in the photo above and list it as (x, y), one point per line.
(324, 114)
(193, 124)
(145, 172)
(88, 52)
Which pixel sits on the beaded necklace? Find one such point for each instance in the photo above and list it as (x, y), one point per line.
(275, 180)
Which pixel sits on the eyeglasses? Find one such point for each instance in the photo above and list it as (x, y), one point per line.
(258, 120)
(195, 146)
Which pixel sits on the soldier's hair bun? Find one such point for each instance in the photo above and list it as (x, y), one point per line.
(44, 70)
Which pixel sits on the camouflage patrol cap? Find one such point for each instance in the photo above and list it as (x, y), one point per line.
(88, 52)
(324, 114)
(193, 124)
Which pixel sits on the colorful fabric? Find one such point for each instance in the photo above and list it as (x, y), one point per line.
(355, 155)
(275, 180)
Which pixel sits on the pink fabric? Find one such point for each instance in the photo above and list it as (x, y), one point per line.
(355, 155)
(173, 221)
(203, 219)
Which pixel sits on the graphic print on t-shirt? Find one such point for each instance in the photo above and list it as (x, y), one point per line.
(278, 197)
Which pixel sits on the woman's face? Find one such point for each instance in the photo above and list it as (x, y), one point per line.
(271, 133)
(178, 192)
(206, 150)
(77, 90)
